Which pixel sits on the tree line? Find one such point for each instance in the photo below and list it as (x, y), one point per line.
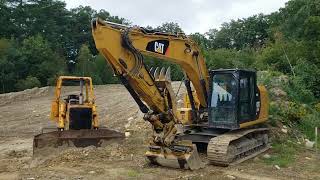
(41, 39)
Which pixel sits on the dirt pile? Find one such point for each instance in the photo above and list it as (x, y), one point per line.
(23, 95)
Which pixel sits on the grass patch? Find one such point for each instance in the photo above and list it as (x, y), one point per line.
(132, 173)
(283, 153)
(308, 124)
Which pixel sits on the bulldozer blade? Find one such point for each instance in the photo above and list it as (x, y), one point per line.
(180, 160)
(75, 138)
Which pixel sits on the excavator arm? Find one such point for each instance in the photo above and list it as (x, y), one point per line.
(112, 41)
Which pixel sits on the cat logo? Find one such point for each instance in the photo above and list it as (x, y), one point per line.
(158, 46)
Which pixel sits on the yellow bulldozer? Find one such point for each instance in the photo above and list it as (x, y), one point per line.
(76, 118)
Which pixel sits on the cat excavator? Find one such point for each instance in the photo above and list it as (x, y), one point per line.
(223, 109)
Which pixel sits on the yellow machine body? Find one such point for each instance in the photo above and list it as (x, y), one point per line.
(76, 118)
(60, 108)
(124, 48)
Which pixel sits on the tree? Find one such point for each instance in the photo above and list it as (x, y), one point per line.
(28, 83)
(39, 60)
(169, 27)
(8, 76)
(201, 40)
(104, 70)
(249, 32)
(85, 65)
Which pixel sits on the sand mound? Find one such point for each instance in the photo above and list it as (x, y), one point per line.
(23, 95)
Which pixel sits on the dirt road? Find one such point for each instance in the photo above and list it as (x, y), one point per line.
(23, 116)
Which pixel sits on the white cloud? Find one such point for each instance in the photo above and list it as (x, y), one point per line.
(191, 15)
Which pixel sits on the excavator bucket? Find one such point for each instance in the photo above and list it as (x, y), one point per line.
(182, 157)
(58, 140)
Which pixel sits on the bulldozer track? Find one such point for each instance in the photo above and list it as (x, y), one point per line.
(237, 146)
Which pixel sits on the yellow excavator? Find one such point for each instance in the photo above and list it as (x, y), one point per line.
(224, 109)
(76, 117)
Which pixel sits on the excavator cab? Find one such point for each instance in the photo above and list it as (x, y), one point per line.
(76, 118)
(234, 98)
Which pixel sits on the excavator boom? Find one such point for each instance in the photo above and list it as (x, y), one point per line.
(111, 39)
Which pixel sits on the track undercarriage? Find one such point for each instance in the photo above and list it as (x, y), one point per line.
(237, 146)
(224, 149)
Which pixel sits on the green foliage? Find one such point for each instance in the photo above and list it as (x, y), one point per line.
(228, 58)
(133, 173)
(269, 78)
(298, 91)
(294, 112)
(28, 83)
(32, 58)
(243, 33)
(308, 124)
(8, 52)
(94, 67)
(39, 60)
(283, 153)
(85, 65)
(170, 27)
(104, 71)
(201, 40)
(308, 73)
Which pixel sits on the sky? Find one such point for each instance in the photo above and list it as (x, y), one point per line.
(192, 15)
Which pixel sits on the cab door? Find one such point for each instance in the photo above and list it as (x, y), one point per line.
(247, 96)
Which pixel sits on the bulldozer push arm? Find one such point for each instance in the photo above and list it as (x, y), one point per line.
(123, 47)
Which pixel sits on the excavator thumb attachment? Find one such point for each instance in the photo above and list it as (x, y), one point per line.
(177, 156)
(58, 140)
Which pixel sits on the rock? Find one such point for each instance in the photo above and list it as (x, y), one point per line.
(309, 144)
(278, 92)
(256, 159)
(277, 167)
(130, 118)
(127, 134)
(266, 156)
(92, 172)
(284, 130)
(307, 158)
(230, 177)
(127, 126)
